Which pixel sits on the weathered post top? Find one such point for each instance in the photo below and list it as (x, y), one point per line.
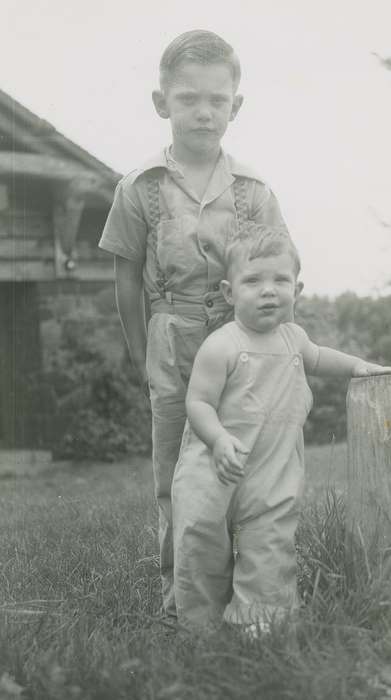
(369, 458)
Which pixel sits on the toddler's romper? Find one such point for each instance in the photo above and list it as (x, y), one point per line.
(159, 221)
(234, 548)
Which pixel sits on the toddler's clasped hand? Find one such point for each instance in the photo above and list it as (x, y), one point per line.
(226, 454)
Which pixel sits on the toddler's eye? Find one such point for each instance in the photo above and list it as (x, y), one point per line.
(282, 279)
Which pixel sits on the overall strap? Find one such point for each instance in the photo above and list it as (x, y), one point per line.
(240, 195)
(153, 191)
(236, 336)
(288, 335)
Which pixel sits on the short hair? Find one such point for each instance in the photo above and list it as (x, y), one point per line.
(260, 241)
(200, 46)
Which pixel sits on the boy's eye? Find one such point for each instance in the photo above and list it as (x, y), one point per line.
(218, 100)
(188, 99)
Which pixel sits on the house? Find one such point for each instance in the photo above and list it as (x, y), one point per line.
(54, 198)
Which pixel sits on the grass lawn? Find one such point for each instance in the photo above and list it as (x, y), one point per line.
(79, 591)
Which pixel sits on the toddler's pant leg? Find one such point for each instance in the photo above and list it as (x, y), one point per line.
(171, 348)
(264, 579)
(202, 546)
(168, 420)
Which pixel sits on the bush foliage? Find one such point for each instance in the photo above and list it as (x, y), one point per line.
(100, 412)
(360, 326)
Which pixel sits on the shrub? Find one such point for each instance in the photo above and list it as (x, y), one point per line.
(100, 411)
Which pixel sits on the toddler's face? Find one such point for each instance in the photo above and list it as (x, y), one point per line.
(199, 101)
(263, 291)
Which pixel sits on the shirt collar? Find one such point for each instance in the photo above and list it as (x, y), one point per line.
(164, 159)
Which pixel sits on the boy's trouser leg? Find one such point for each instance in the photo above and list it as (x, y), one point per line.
(167, 428)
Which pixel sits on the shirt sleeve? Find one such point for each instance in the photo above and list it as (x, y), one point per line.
(264, 206)
(125, 231)
(309, 350)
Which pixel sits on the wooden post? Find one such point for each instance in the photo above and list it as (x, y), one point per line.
(369, 460)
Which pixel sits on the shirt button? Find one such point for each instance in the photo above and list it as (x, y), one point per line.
(216, 287)
(244, 357)
(209, 303)
(206, 246)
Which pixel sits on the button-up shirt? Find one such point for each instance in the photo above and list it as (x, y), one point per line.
(192, 233)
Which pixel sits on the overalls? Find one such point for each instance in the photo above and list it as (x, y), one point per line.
(234, 545)
(178, 326)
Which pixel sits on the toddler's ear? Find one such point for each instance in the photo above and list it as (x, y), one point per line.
(226, 289)
(236, 105)
(299, 288)
(159, 100)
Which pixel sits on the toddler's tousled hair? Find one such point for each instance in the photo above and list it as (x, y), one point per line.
(260, 241)
(200, 46)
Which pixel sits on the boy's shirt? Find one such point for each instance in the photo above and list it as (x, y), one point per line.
(192, 234)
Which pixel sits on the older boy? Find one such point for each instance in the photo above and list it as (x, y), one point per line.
(168, 229)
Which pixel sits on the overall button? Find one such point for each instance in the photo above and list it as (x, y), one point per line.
(296, 361)
(206, 246)
(244, 357)
(209, 303)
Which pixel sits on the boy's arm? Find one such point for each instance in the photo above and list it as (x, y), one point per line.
(207, 381)
(130, 303)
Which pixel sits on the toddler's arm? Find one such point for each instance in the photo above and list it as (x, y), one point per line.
(339, 364)
(207, 381)
(130, 303)
(324, 361)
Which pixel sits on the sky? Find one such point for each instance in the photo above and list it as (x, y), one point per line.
(315, 121)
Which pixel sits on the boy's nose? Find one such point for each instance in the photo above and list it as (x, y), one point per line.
(203, 113)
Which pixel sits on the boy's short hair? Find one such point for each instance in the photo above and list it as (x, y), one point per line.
(260, 241)
(200, 46)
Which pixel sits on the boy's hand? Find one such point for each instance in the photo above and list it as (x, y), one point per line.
(143, 380)
(226, 451)
(366, 369)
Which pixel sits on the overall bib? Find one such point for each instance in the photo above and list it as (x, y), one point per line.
(234, 545)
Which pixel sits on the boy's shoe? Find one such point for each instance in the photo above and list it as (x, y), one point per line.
(164, 623)
(170, 622)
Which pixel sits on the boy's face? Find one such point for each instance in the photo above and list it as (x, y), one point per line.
(199, 101)
(263, 291)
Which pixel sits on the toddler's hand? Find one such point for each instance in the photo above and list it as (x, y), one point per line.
(365, 369)
(226, 451)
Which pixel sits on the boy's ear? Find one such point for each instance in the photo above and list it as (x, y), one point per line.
(236, 105)
(159, 100)
(299, 288)
(226, 289)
